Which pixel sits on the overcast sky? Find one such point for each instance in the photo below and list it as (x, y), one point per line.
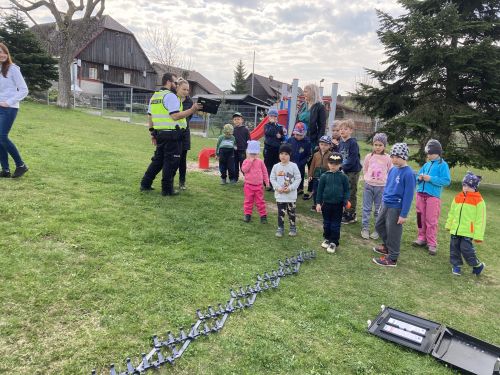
(308, 40)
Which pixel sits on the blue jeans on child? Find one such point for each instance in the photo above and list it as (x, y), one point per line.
(462, 247)
(372, 195)
(332, 220)
(7, 117)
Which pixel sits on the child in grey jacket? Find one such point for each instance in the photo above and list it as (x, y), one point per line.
(285, 178)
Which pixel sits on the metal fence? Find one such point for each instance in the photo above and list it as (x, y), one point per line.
(128, 105)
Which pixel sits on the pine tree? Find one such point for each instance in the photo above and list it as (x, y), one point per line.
(441, 80)
(37, 66)
(239, 85)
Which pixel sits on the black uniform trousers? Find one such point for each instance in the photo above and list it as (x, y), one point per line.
(166, 158)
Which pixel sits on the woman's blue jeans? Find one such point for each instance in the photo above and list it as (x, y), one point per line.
(7, 117)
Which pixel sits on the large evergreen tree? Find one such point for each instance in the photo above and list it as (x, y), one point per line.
(441, 79)
(37, 66)
(239, 85)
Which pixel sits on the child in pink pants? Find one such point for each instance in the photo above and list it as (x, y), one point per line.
(432, 177)
(256, 176)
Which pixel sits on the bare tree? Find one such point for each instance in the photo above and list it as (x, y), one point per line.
(67, 35)
(163, 47)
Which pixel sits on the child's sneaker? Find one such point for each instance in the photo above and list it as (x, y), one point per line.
(331, 248)
(381, 249)
(325, 244)
(5, 174)
(432, 250)
(20, 171)
(232, 182)
(365, 233)
(313, 208)
(384, 262)
(293, 232)
(306, 196)
(279, 232)
(223, 181)
(263, 219)
(456, 270)
(478, 269)
(374, 236)
(418, 243)
(182, 186)
(247, 218)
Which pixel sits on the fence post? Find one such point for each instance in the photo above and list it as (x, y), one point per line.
(131, 101)
(48, 97)
(102, 99)
(208, 122)
(255, 117)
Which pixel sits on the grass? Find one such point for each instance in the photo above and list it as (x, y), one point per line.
(91, 268)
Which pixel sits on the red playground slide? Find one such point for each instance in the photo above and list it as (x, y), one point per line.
(258, 132)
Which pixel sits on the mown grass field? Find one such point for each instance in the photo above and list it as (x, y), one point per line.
(90, 268)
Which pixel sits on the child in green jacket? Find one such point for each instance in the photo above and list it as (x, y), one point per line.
(332, 197)
(466, 223)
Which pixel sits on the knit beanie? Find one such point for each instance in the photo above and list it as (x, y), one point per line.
(228, 129)
(285, 147)
(400, 150)
(253, 147)
(335, 158)
(380, 137)
(299, 129)
(237, 114)
(433, 147)
(325, 139)
(273, 112)
(471, 180)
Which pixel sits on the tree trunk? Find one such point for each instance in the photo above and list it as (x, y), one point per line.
(64, 95)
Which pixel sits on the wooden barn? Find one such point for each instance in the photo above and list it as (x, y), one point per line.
(111, 57)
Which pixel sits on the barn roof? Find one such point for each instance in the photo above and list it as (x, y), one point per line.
(190, 75)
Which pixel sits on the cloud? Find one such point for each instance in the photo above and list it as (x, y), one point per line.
(330, 39)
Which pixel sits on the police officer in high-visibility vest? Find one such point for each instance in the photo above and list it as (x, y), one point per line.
(167, 122)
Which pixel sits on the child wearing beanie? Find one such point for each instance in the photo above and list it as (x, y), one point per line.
(376, 166)
(226, 144)
(285, 178)
(431, 178)
(466, 223)
(332, 198)
(274, 137)
(396, 203)
(255, 173)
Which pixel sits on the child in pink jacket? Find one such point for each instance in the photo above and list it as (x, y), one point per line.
(256, 175)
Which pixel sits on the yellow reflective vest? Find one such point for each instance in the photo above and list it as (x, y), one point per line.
(160, 115)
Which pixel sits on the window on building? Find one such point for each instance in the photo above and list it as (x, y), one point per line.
(126, 78)
(93, 73)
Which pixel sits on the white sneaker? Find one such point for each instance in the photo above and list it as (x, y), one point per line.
(325, 244)
(365, 233)
(374, 236)
(331, 248)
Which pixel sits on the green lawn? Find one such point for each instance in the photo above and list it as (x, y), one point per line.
(91, 268)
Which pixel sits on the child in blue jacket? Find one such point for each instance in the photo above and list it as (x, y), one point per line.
(301, 151)
(432, 177)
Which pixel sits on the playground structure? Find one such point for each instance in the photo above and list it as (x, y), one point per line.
(287, 111)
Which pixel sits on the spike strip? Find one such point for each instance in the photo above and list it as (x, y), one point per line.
(212, 320)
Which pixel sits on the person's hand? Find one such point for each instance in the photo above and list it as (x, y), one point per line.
(318, 207)
(4, 104)
(196, 107)
(401, 220)
(278, 135)
(267, 185)
(153, 141)
(426, 177)
(286, 189)
(420, 177)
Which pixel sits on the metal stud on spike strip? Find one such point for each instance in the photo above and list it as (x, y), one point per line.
(211, 320)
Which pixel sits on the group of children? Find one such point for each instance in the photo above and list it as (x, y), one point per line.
(389, 187)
